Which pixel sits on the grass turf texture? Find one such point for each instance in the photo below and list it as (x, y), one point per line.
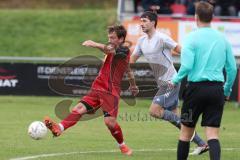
(52, 33)
(140, 132)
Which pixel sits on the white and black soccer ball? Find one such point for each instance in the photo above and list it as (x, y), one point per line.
(37, 130)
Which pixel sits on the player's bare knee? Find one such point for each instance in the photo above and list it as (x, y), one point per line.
(186, 133)
(156, 112)
(185, 138)
(110, 122)
(161, 110)
(212, 133)
(79, 108)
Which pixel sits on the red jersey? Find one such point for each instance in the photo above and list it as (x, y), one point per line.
(111, 74)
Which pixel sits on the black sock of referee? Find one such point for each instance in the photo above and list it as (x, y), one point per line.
(214, 149)
(183, 150)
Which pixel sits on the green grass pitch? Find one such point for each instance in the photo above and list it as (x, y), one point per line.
(90, 140)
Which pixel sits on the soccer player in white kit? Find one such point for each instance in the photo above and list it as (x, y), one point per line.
(157, 49)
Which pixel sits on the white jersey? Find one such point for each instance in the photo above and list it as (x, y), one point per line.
(157, 52)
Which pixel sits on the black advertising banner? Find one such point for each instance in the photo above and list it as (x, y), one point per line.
(72, 78)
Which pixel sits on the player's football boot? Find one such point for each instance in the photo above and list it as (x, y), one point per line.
(52, 126)
(125, 150)
(200, 150)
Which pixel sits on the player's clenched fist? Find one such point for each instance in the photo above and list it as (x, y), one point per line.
(89, 43)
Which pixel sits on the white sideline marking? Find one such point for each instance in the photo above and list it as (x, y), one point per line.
(104, 151)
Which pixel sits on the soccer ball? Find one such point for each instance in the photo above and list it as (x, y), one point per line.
(37, 130)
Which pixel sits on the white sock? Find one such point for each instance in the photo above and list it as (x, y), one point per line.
(121, 144)
(61, 127)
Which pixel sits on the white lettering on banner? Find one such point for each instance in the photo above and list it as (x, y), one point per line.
(46, 70)
(8, 82)
(143, 73)
(80, 91)
(126, 93)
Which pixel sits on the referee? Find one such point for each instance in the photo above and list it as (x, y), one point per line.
(205, 54)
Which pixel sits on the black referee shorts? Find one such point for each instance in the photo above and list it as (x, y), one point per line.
(206, 98)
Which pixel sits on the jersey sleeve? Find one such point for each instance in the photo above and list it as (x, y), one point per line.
(169, 42)
(231, 70)
(187, 60)
(137, 50)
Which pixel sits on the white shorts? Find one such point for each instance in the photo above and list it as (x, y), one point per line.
(169, 99)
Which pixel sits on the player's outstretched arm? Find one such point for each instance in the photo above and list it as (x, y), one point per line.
(105, 48)
(133, 87)
(90, 43)
(134, 58)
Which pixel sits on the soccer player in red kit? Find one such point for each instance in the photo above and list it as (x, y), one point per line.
(105, 90)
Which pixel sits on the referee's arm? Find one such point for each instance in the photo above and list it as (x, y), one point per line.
(187, 60)
(231, 71)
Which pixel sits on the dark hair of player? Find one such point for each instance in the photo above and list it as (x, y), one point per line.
(151, 16)
(119, 30)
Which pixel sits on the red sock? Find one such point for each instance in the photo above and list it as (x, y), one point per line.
(71, 120)
(116, 132)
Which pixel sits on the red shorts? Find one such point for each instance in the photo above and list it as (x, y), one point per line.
(101, 99)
